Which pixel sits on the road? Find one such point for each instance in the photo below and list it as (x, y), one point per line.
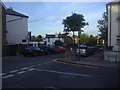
(43, 72)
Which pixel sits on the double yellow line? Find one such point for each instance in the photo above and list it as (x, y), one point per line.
(88, 66)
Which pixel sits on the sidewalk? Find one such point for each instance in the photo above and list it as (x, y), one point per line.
(11, 57)
(96, 60)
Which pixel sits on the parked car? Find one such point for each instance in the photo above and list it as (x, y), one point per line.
(83, 51)
(59, 49)
(92, 50)
(48, 50)
(33, 51)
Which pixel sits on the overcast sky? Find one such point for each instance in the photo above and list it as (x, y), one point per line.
(47, 17)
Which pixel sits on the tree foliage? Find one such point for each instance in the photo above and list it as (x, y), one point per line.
(84, 38)
(92, 41)
(37, 38)
(88, 40)
(74, 23)
(103, 27)
(58, 43)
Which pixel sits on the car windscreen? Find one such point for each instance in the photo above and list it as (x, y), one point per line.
(36, 48)
(82, 47)
(30, 48)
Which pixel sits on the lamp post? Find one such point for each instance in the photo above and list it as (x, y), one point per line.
(79, 32)
(27, 37)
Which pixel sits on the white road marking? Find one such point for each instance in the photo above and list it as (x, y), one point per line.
(49, 87)
(32, 66)
(8, 76)
(45, 63)
(31, 69)
(79, 74)
(64, 73)
(21, 72)
(2, 74)
(38, 64)
(13, 71)
(24, 68)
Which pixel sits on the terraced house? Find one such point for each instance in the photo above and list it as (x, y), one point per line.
(113, 10)
(14, 30)
(17, 26)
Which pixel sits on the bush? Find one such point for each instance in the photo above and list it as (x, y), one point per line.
(58, 43)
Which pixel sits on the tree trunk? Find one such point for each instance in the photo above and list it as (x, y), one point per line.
(74, 37)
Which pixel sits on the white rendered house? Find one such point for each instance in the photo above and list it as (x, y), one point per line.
(113, 10)
(51, 38)
(16, 26)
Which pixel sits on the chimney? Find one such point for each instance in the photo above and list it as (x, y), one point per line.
(10, 8)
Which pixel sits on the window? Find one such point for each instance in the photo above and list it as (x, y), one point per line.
(23, 40)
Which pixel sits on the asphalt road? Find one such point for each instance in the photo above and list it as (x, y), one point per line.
(43, 72)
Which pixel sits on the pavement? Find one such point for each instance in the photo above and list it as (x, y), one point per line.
(96, 60)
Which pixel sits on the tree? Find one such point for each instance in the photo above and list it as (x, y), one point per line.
(74, 23)
(33, 38)
(84, 38)
(103, 28)
(37, 38)
(92, 41)
(88, 40)
(58, 43)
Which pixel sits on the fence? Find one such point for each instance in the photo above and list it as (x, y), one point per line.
(12, 50)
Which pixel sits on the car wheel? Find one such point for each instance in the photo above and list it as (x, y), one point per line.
(24, 55)
(48, 53)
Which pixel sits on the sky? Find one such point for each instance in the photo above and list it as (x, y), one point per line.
(46, 17)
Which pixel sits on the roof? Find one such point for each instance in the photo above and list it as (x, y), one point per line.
(10, 11)
(50, 36)
(61, 35)
(53, 36)
(1, 3)
(114, 3)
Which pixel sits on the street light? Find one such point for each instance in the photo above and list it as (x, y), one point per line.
(79, 32)
(27, 37)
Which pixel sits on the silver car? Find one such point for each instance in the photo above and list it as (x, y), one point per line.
(83, 51)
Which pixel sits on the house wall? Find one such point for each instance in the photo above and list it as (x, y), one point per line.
(4, 41)
(52, 40)
(3, 27)
(119, 29)
(111, 56)
(0, 45)
(113, 26)
(113, 32)
(0, 30)
(16, 30)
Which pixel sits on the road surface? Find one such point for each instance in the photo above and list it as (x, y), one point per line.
(43, 72)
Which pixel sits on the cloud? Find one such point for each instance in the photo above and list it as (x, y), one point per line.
(35, 20)
(55, 20)
(57, 17)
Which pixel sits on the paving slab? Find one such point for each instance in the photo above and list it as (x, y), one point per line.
(93, 60)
